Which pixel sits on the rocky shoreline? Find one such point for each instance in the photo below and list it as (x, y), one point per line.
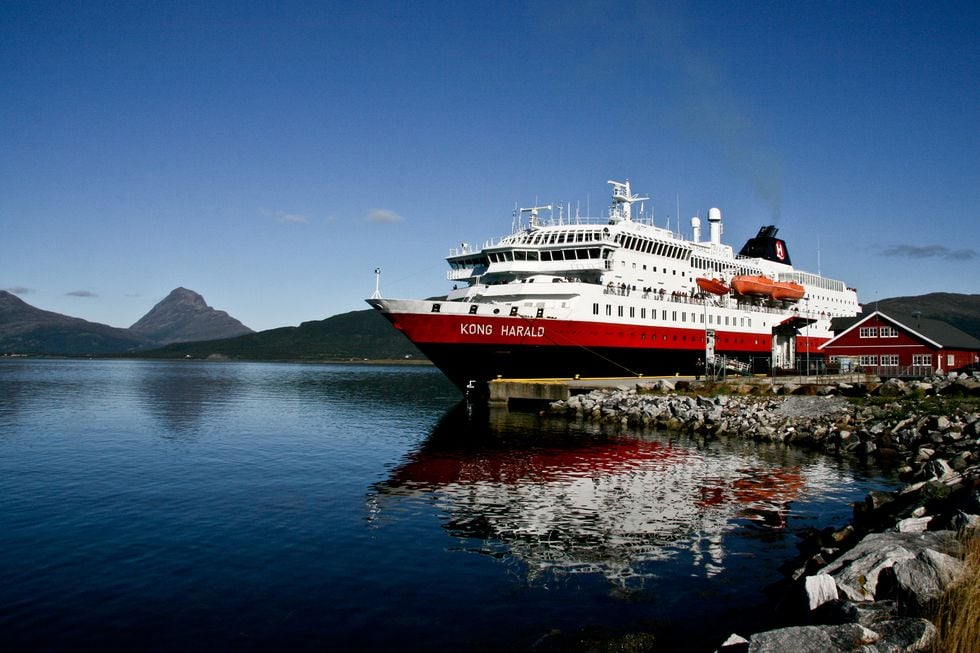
(872, 585)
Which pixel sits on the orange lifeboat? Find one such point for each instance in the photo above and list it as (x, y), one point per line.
(714, 286)
(749, 284)
(788, 291)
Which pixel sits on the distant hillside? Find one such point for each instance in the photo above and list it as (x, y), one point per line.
(184, 316)
(25, 329)
(361, 334)
(355, 335)
(961, 311)
(366, 334)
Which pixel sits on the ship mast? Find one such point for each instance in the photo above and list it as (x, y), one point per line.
(623, 198)
(533, 210)
(377, 284)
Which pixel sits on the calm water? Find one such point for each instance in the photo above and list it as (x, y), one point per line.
(191, 506)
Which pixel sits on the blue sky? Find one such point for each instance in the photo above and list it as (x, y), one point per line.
(271, 155)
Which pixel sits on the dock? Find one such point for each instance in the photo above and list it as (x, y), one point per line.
(508, 392)
(505, 391)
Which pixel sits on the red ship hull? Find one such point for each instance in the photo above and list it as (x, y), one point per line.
(475, 349)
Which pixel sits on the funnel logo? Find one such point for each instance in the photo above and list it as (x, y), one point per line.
(780, 250)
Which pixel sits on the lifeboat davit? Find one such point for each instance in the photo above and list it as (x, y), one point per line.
(788, 291)
(714, 286)
(750, 284)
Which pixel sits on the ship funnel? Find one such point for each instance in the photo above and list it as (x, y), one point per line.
(714, 225)
(696, 228)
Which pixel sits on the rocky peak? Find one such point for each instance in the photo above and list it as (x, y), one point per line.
(184, 316)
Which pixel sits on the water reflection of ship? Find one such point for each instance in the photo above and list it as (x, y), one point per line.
(569, 503)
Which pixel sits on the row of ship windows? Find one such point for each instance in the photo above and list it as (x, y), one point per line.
(877, 332)
(549, 237)
(437, 308)
(523, 255)
(887, 359)
(718, 320)
(657, 248)
(655, 269)
(508, 256)
(824, 298)
(813, 280)
(721, 267)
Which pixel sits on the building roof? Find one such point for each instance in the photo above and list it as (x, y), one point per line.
(935, 332)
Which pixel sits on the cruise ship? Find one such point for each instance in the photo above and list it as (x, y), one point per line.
(566, 296)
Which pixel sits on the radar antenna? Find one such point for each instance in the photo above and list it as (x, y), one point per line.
(533, 210)
(623, 198)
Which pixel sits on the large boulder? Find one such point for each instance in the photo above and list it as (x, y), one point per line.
(856, 572)
(894, 636)
(813, 639)
(918, 583)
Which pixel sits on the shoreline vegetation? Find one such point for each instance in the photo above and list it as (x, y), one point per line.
(904, 575)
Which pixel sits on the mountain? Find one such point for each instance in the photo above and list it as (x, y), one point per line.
(354, 335)
(184, 316)
(25, 329)
(961, 311)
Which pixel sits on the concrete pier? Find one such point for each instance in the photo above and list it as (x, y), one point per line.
(502, 391)
(505, 391)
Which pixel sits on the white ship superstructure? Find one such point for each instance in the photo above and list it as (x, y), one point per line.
(618, 295)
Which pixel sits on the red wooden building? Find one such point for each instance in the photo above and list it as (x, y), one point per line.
(899, 345)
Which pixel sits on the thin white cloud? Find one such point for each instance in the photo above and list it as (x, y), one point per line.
(382, 216)
(291, 218)
(19, 290)
(81, 293)
(930, 251)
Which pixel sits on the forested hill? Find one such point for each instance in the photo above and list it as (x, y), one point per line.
(961, 311)
(355, 335)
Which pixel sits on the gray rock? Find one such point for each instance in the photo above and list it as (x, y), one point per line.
(820, 589)
(734, 644)
(918, 582)
(813, 639)
(937, 468)
(913, 525)
(867, 614)
(906, 636)
(856, 571)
